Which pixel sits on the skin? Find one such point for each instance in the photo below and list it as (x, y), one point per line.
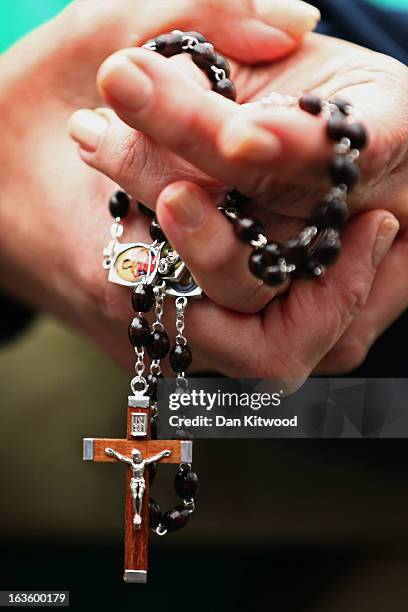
(56, 205)
(248, 146)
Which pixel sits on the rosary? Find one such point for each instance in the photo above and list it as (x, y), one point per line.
(155, 271)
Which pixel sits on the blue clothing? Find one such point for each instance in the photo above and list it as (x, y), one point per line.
(369, 25)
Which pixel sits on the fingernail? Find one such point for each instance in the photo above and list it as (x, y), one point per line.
(87, 127)
(292, 15)
(125, 82)
(248, 141)
(185, 207)
(385, 238)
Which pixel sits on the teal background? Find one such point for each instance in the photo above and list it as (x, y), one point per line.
(17, 17)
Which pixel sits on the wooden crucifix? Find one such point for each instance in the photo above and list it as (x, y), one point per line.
(137, 451)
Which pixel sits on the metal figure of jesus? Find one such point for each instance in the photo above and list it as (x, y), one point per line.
(137, 466)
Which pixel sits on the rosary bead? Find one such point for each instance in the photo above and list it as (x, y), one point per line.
(180, 357)
(176, 518)
(271, 253)
(330, 213)
(155, 515)
(235, 199)
(358, 136)
(139, 332)
(248, 229)
(203, 55)
(197, 35)
(119, 204)
(310, 269)
(226, 88)
(186, 483)
(147, 212)
(342, 105)
(158, 344)
(169, 44)
(152, 470)
(255, 263)
(344, 171)
(143, 298)
(156, 232)
(337, 127)
(221, 63)
(152, 380)
(294, 251)
(311, 104)
(274, 276)
(328, 249)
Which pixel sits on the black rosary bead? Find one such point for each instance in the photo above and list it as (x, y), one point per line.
(309, 269)
(330, 213)
(271, 253)
(226, 88)
(176, 518)
(343, 171)
(152, 380)
(119, 204)
(358, 136)
(328, 249)
(186, 483)
(158, 344)
(147, 212)
(274, 276)
(236, 199)
(255, 263)
(180, 357)
(342, 105)
(223, 64)
(169, 44)
(337, 127)
(248, 229)
(155, 515)
(156, 232)
(143, 298)
(294, 251)
(139, 332)
(204, 56)
(311, 104)
(152, 470)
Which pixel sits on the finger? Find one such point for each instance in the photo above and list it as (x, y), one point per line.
(133, 160)
(378, 313)
(159, 98)
(303, 138)
(248, 30)
(316, 314)
(251, 31)
(208, 245)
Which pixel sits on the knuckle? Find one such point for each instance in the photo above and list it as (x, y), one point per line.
(350, 355)
(352, 295)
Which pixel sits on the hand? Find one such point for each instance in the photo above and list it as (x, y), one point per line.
(53, 218)
(249, 149)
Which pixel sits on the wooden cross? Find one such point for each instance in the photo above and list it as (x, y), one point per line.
(137, 437)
